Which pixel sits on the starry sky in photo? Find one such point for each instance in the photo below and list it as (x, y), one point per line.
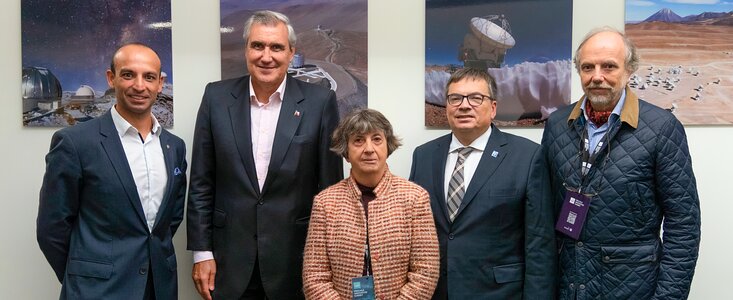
(76, 39)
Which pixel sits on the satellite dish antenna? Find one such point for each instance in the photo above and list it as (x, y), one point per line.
(497, 34)
(486, 43)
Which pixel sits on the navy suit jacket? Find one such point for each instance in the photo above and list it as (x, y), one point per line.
(229, 214)
(501, 243)
(91, 226)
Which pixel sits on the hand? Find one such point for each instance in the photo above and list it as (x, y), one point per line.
(203, 277)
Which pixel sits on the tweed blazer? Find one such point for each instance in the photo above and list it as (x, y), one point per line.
(402, 239)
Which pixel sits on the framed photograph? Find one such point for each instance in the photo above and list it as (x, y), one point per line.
(331, 48)
(525, 46)
(67, 48)
(686, 50)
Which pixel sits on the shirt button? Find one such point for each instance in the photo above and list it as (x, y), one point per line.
(580, 244)
(143, 271)
(450, 236)
(582, 286)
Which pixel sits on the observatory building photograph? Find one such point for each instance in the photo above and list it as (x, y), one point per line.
(67, 47)
(525, 46)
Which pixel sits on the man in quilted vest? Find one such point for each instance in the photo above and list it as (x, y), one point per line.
(620, 169)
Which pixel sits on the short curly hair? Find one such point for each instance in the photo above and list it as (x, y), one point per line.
(360, 122)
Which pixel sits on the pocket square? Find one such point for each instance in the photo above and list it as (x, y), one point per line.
(176, 171)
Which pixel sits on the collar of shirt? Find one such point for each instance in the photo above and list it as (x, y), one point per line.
(123, 127)
(595, 134)
(278, 95)
(471, 162)
(614, 114)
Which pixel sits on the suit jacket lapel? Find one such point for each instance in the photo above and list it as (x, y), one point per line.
(170, 165)
(239, 114)
(287, 124)
(441, 155)
(116, 154)
(491, 158)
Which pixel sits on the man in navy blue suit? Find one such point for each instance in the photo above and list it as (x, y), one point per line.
(113, 193)
(489, 192)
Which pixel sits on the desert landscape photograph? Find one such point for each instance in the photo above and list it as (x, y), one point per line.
(331, 49)
(686, 58)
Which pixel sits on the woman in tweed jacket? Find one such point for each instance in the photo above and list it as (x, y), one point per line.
(403, 246)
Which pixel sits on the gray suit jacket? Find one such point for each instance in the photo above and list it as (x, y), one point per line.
(229, 214)
(501, 243)
(91, 226)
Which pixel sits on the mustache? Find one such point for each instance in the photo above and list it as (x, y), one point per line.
(598, 86)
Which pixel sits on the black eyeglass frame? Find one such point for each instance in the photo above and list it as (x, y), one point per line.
(467, 98)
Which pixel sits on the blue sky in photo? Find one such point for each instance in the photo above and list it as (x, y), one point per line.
(638, 10)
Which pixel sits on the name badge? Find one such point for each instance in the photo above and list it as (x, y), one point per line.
(572, 214)
(362, 288)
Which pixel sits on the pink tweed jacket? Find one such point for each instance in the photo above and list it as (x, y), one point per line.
(402, 239)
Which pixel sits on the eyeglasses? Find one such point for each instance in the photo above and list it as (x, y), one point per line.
(474, 99)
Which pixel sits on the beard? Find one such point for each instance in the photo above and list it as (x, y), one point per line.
(603, 102)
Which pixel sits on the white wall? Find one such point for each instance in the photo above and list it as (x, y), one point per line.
(396, 61)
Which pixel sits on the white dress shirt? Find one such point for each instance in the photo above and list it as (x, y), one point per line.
(263, 122)
(264, 118)
(147, 164)
(471, 162)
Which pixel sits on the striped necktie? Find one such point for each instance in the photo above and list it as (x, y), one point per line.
(455, 187)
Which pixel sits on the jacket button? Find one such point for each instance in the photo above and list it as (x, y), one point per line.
(606, 258)
(582, 286)
(579, 244)
(261, 202)
(255, 236)
(572, 286)
(142, 271)
(450, 236)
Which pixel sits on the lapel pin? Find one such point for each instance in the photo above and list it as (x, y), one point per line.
(297, 113)
(494, 154)
(167, 146)
(176, 171)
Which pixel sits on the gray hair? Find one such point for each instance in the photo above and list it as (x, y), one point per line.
(269, 18)
(632, 57)
(362, 121)
(473, 73)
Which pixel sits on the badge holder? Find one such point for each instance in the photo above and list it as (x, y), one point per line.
(572, 214)
(362, 288)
